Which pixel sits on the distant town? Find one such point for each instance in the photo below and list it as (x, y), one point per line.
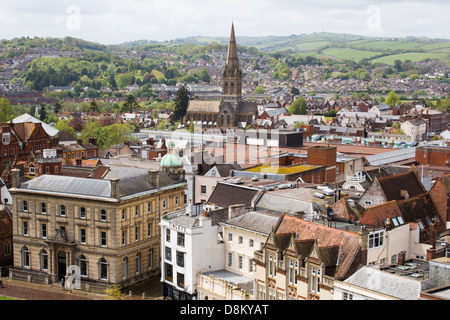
(221, 172)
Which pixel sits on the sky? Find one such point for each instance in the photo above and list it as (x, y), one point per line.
(118, 21)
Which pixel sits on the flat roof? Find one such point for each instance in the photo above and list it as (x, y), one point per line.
(270, 168)
(241, 281)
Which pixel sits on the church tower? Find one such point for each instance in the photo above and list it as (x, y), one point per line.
(232, 74)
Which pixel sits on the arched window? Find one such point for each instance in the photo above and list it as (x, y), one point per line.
(7, 248)
(31, 169)
(232, 88)
(44, 260)
(138, 262)
(103, 269)
(25, 257)
(125, 267)
(82, 263)
(228, 120)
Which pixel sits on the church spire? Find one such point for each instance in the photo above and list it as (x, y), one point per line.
(232, 47)
(232, 76)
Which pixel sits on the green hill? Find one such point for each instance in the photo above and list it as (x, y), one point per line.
(341, 46)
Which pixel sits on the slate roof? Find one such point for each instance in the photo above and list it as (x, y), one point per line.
(203, 106)
(225, 195)
(384, 107)
(64, 135)
(383, 282)
(421, 208)
(69, 185)
(273, 112)
(255, 221)
(291, 201)
(247, 107)
(94, 187)
(392, 156)
(392, 185)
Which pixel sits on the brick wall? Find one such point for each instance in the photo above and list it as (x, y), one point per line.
(433, 156)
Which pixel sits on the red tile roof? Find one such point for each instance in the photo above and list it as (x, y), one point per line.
(348, 242)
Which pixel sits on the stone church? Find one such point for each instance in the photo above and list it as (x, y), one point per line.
(230, 111)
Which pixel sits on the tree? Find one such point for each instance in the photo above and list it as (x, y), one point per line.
(114, 292)
(130, 103)
(124, 79)
(63, 125)
(76, 123)
(203, 75)
(93, 107)
(295, 91)
(6, 110)
(392, 99)
(57, 107)
(259, 90)
(298, 106)
(181, 103)
(42, 113)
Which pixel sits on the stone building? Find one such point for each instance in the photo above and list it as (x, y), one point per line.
(301, 260)
(107, 228)
(231, 111)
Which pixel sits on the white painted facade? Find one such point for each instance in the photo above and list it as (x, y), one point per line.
(385, 246)
(201, 250)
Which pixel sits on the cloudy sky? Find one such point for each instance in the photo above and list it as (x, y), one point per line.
(117, 21)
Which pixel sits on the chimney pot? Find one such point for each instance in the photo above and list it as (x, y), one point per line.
(15, 175)
(154, 178)
(115, 188)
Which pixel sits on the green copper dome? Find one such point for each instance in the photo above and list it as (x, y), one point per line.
(171, 160)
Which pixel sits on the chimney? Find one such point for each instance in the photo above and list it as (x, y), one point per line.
(404, 194)
(154, 177)
(93, 141)
(15, 176)
(114, 188)
(401, 258)
(237, 210)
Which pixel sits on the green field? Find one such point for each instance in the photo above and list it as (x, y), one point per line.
(413, 56)
(346, 46)
(349, 54)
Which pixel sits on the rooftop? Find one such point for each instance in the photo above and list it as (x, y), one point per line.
(257, 221)
(271, 168)
(392, 282)
(241, 281)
